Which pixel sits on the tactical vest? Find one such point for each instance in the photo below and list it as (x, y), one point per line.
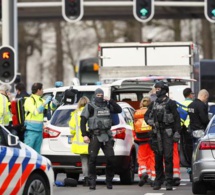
(160, 113)
(101, 119)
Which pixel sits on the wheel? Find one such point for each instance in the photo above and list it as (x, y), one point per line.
(36, 184)
(73, 175)
(127, 176)
(199, 188)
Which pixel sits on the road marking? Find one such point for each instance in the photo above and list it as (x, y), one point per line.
(154, 194)
(168, 190)
(185, 180)
(183, 184)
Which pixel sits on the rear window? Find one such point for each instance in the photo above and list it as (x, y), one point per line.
(61, 118)
(89, 94)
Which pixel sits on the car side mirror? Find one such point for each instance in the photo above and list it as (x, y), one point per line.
(12, 140)
(198, 133)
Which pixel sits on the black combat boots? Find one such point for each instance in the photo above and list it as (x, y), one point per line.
(92, 183)
(109, 185)
(86, 181)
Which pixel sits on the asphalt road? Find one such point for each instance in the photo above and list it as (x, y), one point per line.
(185, 187)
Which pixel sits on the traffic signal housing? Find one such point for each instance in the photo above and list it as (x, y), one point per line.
(7, 64)
(72, 10)
(143, 10)
(210, 10)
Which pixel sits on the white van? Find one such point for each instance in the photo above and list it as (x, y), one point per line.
(22, 170)
(130, 90)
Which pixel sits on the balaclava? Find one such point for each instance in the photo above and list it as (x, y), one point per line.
(99, 100)
(164, 89)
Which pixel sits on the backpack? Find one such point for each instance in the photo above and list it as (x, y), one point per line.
(182, 110)
(140, 127)
(18, 111)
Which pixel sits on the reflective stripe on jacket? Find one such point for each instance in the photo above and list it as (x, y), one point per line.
(186, 103)
(4, 110)
(78, 145)
(34, 119)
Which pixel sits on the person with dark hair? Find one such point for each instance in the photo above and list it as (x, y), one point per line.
(164, 118)
(21, 91)
(34, 107)
(189, 97)
(98, 116)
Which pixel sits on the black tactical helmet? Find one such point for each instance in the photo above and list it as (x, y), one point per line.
(162, 85)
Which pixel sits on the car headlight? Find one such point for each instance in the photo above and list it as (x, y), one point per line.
(198, 133)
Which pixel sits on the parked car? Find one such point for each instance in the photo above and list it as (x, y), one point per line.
(57, 144)
(22, 170)
(203, 160)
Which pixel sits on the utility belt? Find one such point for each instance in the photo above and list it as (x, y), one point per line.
(98, 132)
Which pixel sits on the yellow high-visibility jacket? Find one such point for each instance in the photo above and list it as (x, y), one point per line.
(78, 145)
(186, 103)
(4, 110)
(33, 117)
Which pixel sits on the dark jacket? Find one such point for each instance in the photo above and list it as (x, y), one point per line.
(23, 94)
(112, 105)
(198, 112)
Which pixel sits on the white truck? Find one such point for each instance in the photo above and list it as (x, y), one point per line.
(124, 60)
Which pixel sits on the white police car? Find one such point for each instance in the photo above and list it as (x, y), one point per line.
(22, 170)
(57, 144)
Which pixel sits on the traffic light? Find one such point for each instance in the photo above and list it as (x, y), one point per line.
(7, 64)
(210, 10)
(72, 10)
(143, 10)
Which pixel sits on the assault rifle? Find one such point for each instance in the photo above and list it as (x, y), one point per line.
(156, 131)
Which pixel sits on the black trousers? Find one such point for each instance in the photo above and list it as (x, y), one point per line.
(107, 148)
(164, 158)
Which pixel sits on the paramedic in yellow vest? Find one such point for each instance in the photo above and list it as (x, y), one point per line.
(34, 107)
(78, 146)
(5, 105)
(145, 155)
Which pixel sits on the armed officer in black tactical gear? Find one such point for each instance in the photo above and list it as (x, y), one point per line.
(98, 116)
(164, 117)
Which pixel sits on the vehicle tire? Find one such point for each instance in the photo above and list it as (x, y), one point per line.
(73, 175)
(199, 188)
(127, 176)
(36, 184)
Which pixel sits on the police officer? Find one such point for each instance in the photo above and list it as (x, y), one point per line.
(198, 112)
(163, 116)
(98, 116)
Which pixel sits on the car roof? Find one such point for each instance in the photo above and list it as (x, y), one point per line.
(74, 106)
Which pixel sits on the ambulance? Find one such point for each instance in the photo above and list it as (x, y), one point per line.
(22, 170)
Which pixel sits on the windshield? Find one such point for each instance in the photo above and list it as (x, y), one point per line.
(61, 118)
